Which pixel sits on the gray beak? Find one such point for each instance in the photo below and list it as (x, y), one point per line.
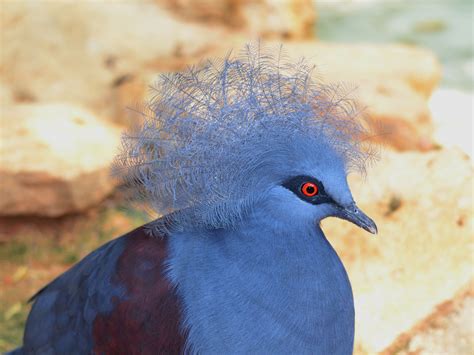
(353, 214)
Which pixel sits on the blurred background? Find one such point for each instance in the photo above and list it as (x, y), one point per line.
(69, 70)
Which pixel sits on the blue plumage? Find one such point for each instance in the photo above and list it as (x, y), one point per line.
(117, 300)
(216, 136)
(265, 288)
(244, 158)
(62, 315)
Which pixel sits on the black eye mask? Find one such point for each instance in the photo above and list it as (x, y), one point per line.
(308, 189)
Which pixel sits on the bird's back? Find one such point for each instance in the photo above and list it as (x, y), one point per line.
(116, 300)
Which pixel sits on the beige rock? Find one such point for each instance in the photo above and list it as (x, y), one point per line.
(422, 204)
(448, 330)
(390, 82)
(452, 112)
(355, 63)
(54, 160)
(277, 18)
(280, 18)
(6, 96)
(77, 51)
(226, 12)
(129, 96)
(398, 114)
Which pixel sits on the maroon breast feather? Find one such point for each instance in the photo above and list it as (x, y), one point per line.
(147, 320)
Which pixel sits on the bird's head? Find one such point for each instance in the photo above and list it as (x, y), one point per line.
(247, 133)
(315, 188)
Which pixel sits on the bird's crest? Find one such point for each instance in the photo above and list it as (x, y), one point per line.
(216, 134)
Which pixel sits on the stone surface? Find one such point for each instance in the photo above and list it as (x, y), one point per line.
(268, 18)
(422, 204)
(290, 19)
(54, 159)
(399, 115)
(358, 62)
(448, 330)
(78, 51)
(129, 95)
(454, 333)
(392, 83)
(453, 111)
(5, 95)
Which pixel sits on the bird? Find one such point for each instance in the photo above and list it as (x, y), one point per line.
(242, 157)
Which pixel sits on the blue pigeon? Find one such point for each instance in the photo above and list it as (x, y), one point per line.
(243, 158)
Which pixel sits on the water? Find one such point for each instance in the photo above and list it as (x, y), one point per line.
(446, 27)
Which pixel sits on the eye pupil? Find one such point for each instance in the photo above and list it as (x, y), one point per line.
(309, 189)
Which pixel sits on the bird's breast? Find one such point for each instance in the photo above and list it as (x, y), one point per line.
(262, 294)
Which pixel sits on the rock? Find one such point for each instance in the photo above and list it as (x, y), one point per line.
(355, 63)
(224, 12)
(268, 18)
(129, 94)
(293, 19)
(6, 96)
(422, 204)
(452, 116)
(398, 114)
(391, 82)
(54, 160)
(448, 330)
(76, 51)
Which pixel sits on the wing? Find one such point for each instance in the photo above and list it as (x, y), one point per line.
(117, 300)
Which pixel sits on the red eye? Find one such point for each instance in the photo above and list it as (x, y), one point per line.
(309, 189)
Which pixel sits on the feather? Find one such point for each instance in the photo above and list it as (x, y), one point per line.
(214, 134)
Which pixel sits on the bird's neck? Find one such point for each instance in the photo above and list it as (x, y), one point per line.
(266, 279)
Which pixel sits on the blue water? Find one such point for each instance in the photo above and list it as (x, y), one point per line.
(446, 27)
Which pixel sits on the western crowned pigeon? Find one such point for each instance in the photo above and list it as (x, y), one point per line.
(243, 158)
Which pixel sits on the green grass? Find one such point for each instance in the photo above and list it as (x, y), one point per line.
(11, 330)
(14, 252)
